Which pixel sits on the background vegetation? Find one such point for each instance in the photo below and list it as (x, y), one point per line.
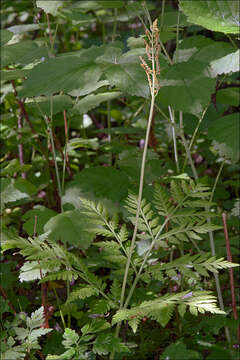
(101, 260)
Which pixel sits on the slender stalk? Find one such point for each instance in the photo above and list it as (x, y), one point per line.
(162, 14)
(171, 113)
(229, 257)
(211, 238)
(20, 145)
(186, 146)
(59, 307)
(143, 163)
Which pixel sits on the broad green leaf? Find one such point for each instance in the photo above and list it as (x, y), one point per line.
(42, 105)
(50, 7)
(214, 15)
(20, 29)
(13, 74)
(37, 218)
(103, 181)
(202, 49)
(106, 4)
(186, 86)
(179, 351)
(78, 18)
(70, 227)
(5, 36)
(9, 192)
(226, 131)
(89, 87)
(64, 73)
(23, 52)
(92, 101)
(124, 71)
(227, 64)
(229, 96)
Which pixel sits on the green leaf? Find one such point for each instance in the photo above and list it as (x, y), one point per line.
(29, 272)
(214, 15)
(21, 29)
(70, 227)
(42, 105)
(63, 73)
(23, 52)
(227, 64)
(104, 182)
(13, 74)
(92, 101)
(185, 86)
(105, 4)
(89, 87)
(5, 36)
(124, 71)
(106, 343)
(229, 96)
(10, 193)
(226, 131)
(70, 338)
(49, 7)
(82, 293)
(179, 351)
(37, 218)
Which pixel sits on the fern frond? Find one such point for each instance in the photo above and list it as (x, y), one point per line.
(123, 233)
(187, 264)
(161, 309)
(161, 201)
(82, 293)
(65, 275)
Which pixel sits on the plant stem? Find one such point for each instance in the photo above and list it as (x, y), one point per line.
(186, 146)
(171, 113)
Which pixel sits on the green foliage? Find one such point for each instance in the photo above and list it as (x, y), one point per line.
(74, 108)
(27, 335)
(214, 15)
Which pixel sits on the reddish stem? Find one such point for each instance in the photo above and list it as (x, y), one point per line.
(229, 257)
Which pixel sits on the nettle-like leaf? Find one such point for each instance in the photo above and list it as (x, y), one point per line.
(5, 36)
(214, 15)
(186, 86)
(63, 73)
(124, 71)
(50, 7)
(36, 218)
(92, 101)
(161, 309)
(49, 105)
(23, 52)
(227, 64)
(226, 131)
(178, 350)
(104, 182)
(70, 227)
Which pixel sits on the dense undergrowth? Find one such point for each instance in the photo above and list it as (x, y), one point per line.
(119, 180)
